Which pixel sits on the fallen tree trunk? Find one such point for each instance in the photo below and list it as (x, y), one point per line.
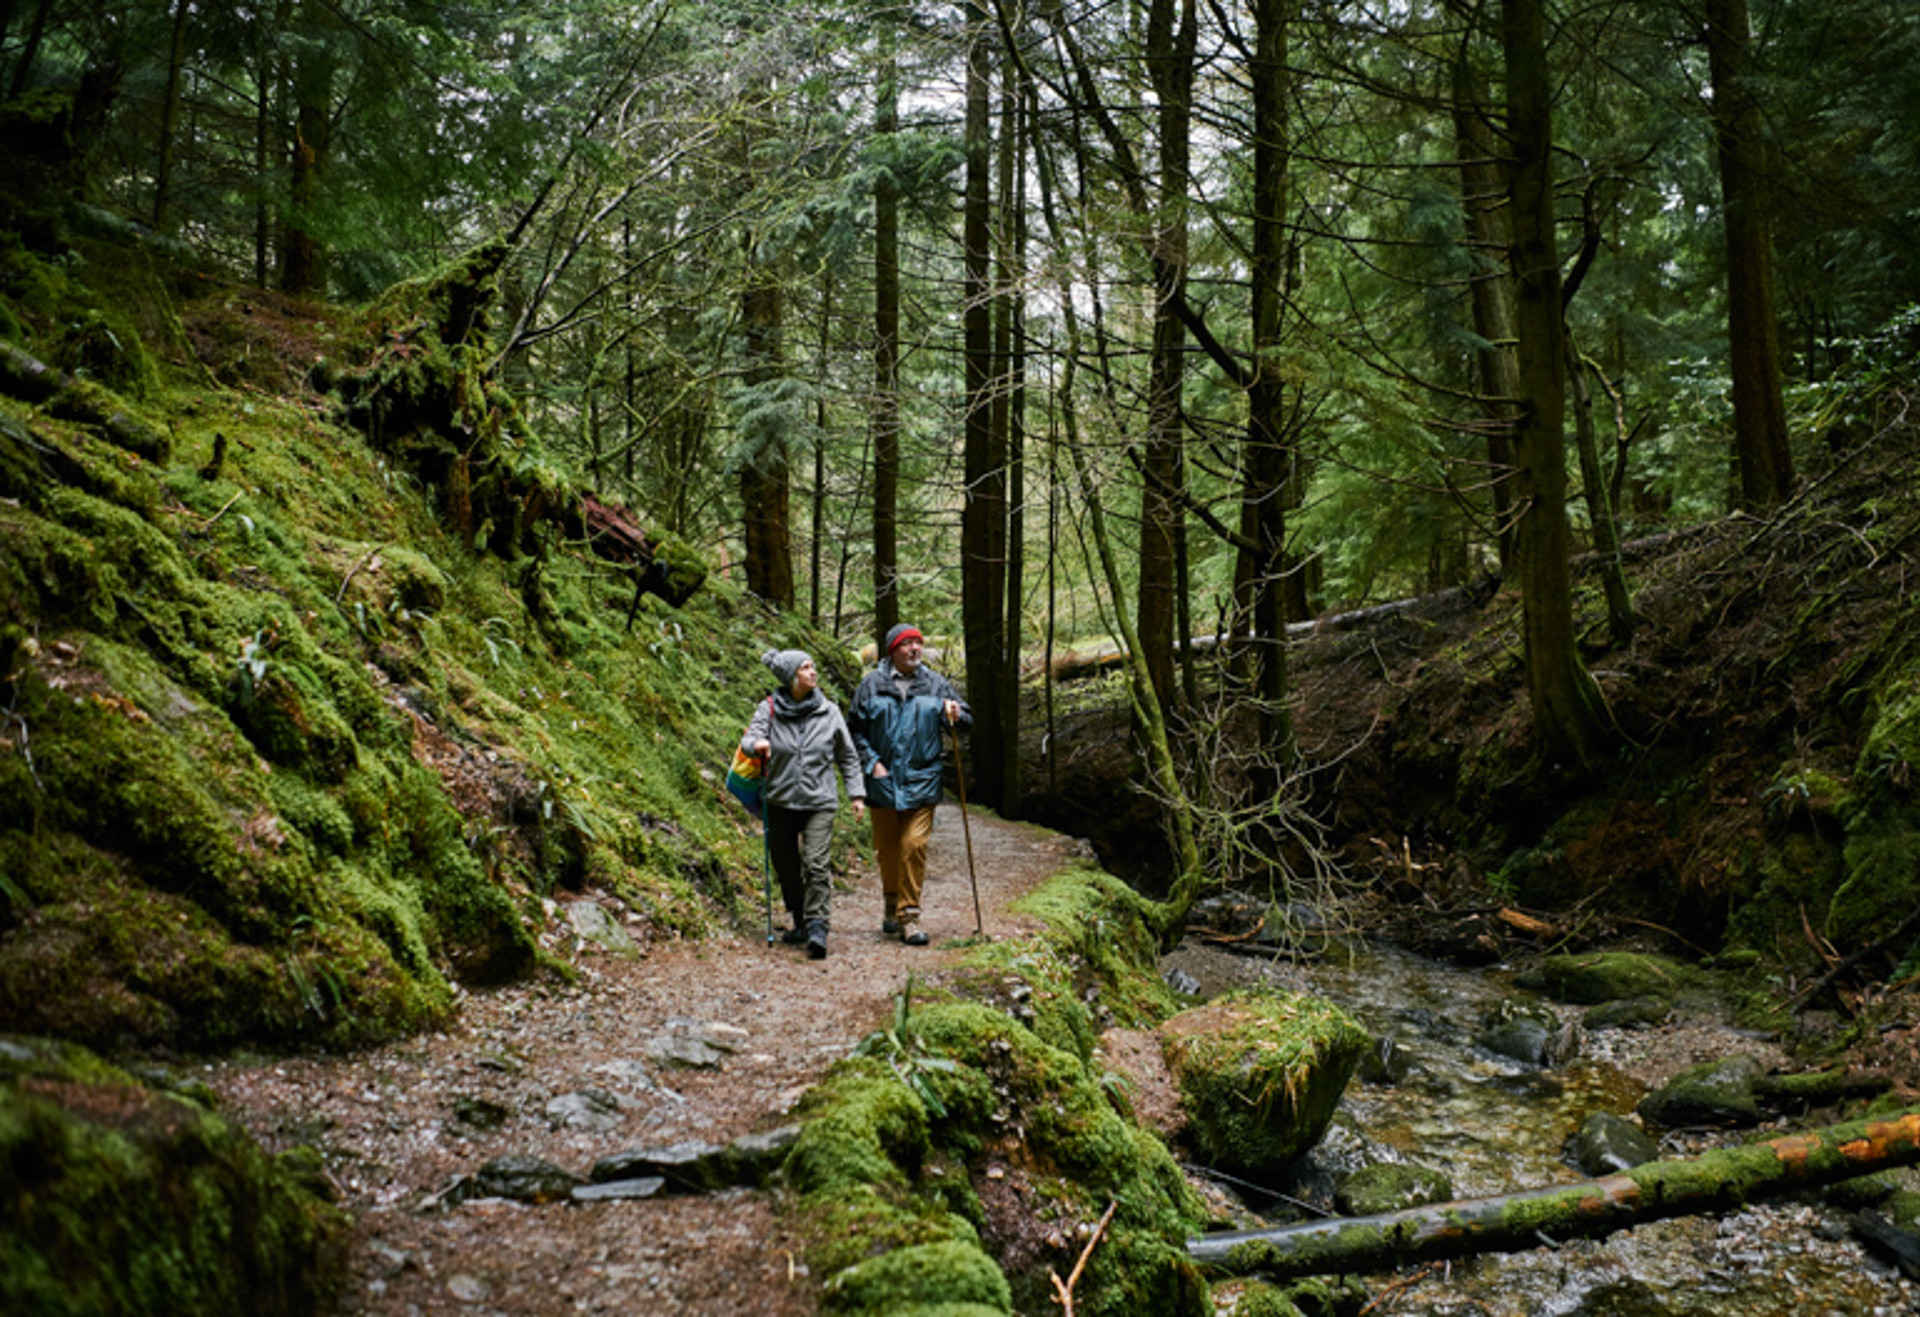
(1511, 1223)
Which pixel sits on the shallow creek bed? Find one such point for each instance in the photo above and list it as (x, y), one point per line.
(1496, 1125)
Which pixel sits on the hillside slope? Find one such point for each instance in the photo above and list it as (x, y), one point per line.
(311, 700)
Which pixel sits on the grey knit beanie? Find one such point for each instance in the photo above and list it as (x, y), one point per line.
(783, 663)
(902, 631)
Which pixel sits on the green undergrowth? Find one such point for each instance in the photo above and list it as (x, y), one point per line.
(117, 1198)
(285, 752)
(963, 1153)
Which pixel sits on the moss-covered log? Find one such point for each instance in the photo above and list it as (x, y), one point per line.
(1511, 1223)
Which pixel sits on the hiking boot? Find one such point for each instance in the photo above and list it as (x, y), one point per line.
(889, 925)
(816, 940)
(794, 936)
(912, 934)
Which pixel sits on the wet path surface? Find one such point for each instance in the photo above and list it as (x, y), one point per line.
(399, 1124)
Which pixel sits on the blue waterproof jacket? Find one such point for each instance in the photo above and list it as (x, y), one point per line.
(902, 733)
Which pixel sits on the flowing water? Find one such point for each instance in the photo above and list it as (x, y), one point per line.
(1496, 1125)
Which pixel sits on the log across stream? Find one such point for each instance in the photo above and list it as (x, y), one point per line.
(1717, 1181)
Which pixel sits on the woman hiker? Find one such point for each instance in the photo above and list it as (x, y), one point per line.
(801, 736)
(896, 716)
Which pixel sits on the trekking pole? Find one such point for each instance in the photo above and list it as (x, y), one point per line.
(766, 873)
(960, 772)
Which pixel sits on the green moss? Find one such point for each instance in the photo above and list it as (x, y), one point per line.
(1094, 951)
(222, 1226)
(863, 1128)
(879, 1165)
(1260, 1074)
(1882, 816)
(943, 1273)
(1610, 976)
(1391, 1186)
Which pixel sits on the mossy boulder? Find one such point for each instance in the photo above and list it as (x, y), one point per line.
(1260, 1074)
(922, 1277)
(1391, 1186)
(1587, 980)
(1715, 1093)
(115, 1197)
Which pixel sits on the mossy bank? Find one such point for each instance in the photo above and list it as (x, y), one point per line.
(115, 1197)
(320, 683)
(971, 1152)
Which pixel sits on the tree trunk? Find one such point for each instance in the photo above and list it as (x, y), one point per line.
(816, 536)
(1593, 483)
(1012, 351)
(1759, 413)
(1568, 711)
(886, 352)
(1170, 48)
(302, 259)
(36, 32)
(765, 478)
(169, 114)
(1261, 566)
(1483, 190)
(983, 515)
(1148, 718)
(1723, 1180)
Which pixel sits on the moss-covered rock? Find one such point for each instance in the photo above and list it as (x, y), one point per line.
(118, 1198)
(1713, 1093)
(1391, 1186)
(1260, 1074)
(1586, 980)
(921, 1277)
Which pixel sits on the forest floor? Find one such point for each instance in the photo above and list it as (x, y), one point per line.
(400, 1124)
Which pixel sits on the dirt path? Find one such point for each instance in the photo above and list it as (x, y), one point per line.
(399, 1124)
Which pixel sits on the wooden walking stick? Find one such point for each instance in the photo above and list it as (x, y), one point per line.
(960, 772)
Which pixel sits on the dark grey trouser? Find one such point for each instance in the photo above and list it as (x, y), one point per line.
(801, 841)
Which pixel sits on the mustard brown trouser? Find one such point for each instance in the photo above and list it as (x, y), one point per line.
(900, 844)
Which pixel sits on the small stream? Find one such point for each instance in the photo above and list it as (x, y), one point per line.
(1495, 1125)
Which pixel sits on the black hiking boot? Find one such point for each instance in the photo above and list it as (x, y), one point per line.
(816, 940)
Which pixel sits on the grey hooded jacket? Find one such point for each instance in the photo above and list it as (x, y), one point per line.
(809, 740)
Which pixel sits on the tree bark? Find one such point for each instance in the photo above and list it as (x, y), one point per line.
(169, 114)
(1170, 47)
(30, 51)
(1188, 875)
(1011, 349)
(886, 350)
(1483, 189)
(1568, 711)
(1721, 1180)
(1759, 412)
(983, 515)
(302, 258)
(1260, 568)
(1593, 483)
(816, 521)
(765, 477)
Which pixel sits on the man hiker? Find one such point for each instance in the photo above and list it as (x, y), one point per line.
(896, 716)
